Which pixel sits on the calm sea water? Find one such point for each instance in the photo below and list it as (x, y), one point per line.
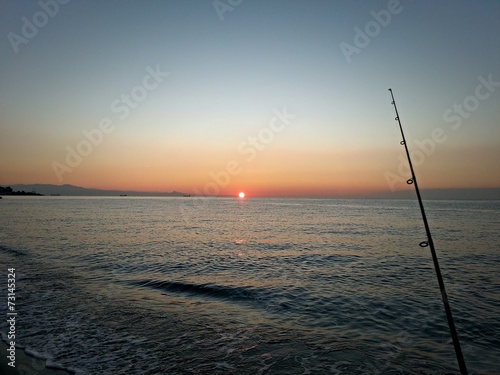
(254, 286)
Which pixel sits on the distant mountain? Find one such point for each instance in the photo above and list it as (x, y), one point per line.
(444, 194)
(7, 190)
(71, 190)
(427, 194)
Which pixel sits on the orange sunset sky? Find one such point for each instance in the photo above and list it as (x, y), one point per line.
(269, 98)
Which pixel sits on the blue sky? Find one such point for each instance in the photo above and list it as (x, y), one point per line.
(228, 71)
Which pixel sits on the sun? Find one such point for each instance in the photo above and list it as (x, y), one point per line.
(241, 194)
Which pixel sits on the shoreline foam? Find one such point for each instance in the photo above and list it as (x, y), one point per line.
(25, 364)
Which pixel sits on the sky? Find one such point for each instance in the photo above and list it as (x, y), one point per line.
(270, 97)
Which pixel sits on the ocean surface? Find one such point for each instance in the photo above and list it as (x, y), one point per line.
(131, 285)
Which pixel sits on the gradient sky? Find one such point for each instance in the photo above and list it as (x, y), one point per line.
(231, 68)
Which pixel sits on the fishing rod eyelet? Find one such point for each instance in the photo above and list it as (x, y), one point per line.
(423, 244)
(397, 118)
(409, 181)
(402, 143)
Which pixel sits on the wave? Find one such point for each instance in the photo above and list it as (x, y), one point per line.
(293, 302)
(203, 290)
(10, 251)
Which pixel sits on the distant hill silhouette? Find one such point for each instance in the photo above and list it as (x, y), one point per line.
(427, 194)
(7, 190)
(71, 190)
(444, 194)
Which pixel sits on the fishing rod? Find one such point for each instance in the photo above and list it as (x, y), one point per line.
(430, 243)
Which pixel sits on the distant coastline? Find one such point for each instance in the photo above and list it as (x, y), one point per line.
(427, 194)
(445, 194)
(71, 190)
(9, 191)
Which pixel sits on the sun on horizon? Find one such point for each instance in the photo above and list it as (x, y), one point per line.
(241, 194)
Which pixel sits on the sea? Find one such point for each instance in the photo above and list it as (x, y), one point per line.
(191, 285)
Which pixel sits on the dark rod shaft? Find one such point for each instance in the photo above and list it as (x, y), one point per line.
(444, 297)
